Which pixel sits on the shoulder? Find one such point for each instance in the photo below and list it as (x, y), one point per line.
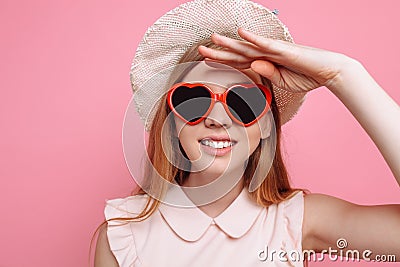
(285, 219)
(116, 238)
(125, 207)
(292, 206)
(317, 205)
(293, 202)
(321, 213)
(291, 210)
(103, 255)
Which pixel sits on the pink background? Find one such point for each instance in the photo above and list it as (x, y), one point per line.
(65, 87)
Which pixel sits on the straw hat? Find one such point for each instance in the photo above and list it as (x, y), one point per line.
(170, 36)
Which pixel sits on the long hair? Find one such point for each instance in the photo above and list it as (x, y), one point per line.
(163, 146)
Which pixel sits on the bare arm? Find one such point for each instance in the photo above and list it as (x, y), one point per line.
(365, 228)
(377, 113)
(103, 256)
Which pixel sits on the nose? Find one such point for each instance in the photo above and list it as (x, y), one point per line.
(218, 117)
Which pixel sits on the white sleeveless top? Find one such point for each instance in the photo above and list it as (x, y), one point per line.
(245, 234)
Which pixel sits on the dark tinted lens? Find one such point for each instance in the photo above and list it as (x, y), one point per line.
(191, 103)
(246, 104)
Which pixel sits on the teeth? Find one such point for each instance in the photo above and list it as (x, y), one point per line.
(215, 144)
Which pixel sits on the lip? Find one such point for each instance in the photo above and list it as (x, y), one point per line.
(217, 151)
(218, 138)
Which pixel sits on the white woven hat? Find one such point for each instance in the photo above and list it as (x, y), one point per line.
(170, 36)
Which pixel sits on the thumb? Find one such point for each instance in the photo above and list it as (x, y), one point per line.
(266, 69)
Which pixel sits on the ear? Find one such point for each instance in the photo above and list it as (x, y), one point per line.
(265, 124)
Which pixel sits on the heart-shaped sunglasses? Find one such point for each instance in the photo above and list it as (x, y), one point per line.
(244, 103)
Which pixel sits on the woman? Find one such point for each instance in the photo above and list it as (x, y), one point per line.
(310, 222)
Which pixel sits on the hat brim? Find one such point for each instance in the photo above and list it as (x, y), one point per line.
(166, 41)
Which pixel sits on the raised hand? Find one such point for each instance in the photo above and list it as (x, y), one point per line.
(290, 66)
(299, 68)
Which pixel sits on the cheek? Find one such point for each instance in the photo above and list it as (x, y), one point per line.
(179, 124)
(254, 136)
(189, 143)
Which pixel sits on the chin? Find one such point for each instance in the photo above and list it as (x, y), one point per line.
(224, 168)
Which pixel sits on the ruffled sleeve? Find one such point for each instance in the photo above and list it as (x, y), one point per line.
(293, 210)
(119, 232)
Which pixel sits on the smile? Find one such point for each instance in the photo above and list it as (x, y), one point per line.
(216, 144)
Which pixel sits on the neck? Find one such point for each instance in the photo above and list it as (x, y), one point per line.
(214, 190)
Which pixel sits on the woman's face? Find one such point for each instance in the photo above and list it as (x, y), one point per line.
(217, 144)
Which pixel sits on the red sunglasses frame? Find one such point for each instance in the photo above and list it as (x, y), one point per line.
(221, 98)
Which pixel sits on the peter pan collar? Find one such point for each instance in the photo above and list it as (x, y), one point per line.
(191, 223)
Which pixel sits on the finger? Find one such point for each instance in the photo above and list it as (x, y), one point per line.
(266, 69)
(284, 78)
(241, 47)
(236, 65)
(269, 45)
(222, 55)
(279, 51)
(260, 41)
(292, 56)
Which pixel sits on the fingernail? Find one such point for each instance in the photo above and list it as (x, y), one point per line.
(202, 47)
